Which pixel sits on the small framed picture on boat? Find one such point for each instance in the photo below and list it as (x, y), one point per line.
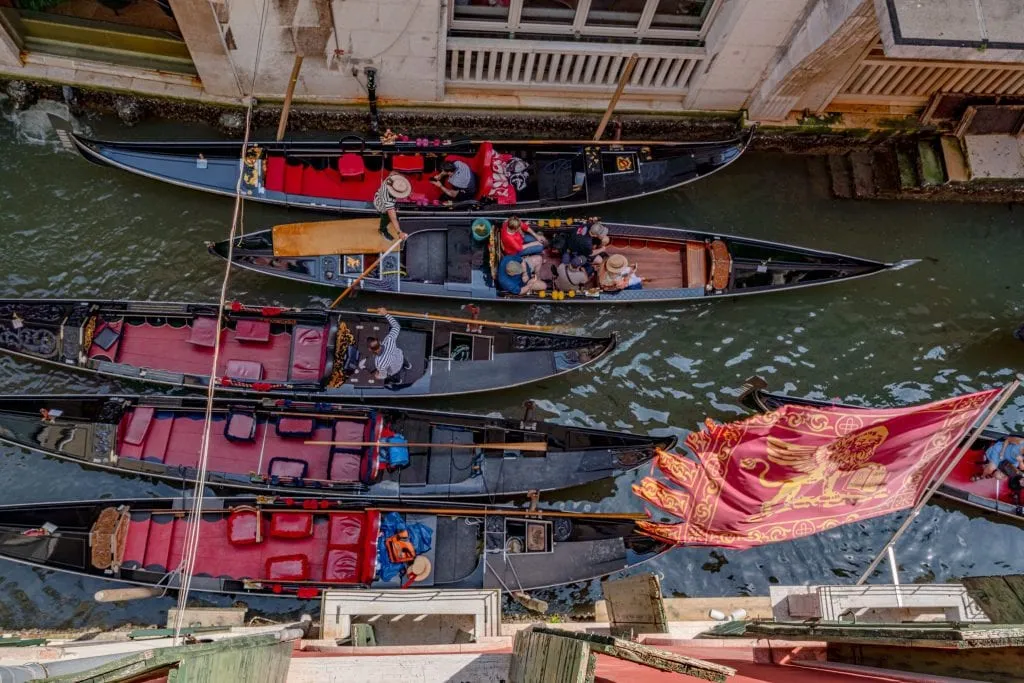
(353, 264)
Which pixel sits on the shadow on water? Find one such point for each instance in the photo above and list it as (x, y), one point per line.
(941, 327)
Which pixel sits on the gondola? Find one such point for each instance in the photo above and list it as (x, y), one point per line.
(296, 448)
(990, 495)
(447, 258)
(299, 547)
(300, 353)
(343, 175)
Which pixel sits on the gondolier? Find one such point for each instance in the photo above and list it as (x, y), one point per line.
(395, 186)
(389, 358)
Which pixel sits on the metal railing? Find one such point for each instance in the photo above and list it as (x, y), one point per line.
(577, 67)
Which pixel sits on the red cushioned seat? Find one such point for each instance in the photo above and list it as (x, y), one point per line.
(351, 166)
(307, 354)
(344, 529)
(325, 183)
(344, 466)
(341, 565)
(252, 330)
(274, 179)
(138, 425)
(288, 467)
(407, 163)
(249, 370)
(293, 178)
(240, 427)
(203, 331)
(244, 528)
(291, 524)
(368, 544)
(295, 426)
(288, 568)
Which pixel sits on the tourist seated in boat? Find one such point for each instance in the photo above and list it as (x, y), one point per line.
(519, 238)
(615, 274)
(571, 276)
(590, 242)
(519, 274)
(388, 357)
(456, 180)
(396, 186)
(1004, 459)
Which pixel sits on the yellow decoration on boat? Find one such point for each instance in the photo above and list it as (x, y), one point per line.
(571, 293)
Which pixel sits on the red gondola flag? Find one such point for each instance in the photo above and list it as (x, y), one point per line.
(800, 470)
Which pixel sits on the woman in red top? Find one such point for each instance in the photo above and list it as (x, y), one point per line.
(519, 238)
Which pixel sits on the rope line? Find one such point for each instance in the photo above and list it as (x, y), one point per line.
(191, 542)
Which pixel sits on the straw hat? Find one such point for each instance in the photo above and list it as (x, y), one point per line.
(514, 267)
(616, 264)
(398, 186)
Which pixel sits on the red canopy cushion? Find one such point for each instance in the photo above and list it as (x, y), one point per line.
(344, 529)
(307, 359)
(252, 330)
(341, 565)
(243, 528)
(203, 331)
(138, 425)
(288, 568)
(250, 370)
(291, 524)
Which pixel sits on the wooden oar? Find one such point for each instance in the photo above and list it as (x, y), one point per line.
(534, 446)
(366, 272)
(468, 321)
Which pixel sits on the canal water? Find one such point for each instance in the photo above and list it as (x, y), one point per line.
(941, 327)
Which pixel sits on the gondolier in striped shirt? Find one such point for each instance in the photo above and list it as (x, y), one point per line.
(396, 186)
(388, 357)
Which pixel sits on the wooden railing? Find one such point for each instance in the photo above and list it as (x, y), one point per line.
(908, 80)
(575, 67)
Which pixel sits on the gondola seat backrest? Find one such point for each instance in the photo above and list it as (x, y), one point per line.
(308, 354)
(245, 527)
(481, 164)
(352, 547)
(351, 165)
(369, 468)
(274, 180)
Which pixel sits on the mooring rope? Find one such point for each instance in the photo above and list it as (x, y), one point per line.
(191, 541)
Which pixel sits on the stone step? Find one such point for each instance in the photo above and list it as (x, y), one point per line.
(887, 171)
(930, 159)
(842, 176)
(863, 172)
(954, 160)
(906, 160)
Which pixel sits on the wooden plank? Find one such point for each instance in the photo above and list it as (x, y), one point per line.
(997, 597)
(635, 605)
(543, 657)
(645, 655)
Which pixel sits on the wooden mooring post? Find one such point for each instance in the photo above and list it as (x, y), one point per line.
(627, 73)
(282, 123)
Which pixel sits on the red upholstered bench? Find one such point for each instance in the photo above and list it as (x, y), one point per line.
(307, 354)
(203, 331)
(291, 524)
(244, 528)
(295, 426)
(407, 163)
(138, 425)
(293, 178)
(249, 370)
(341, 565)
(288, 568)
(344, 529)
(274, 179)
(252, 331)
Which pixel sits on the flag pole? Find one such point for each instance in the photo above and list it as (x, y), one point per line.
(996, 406)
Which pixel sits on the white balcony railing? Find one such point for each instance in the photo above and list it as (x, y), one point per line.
(575, 67)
